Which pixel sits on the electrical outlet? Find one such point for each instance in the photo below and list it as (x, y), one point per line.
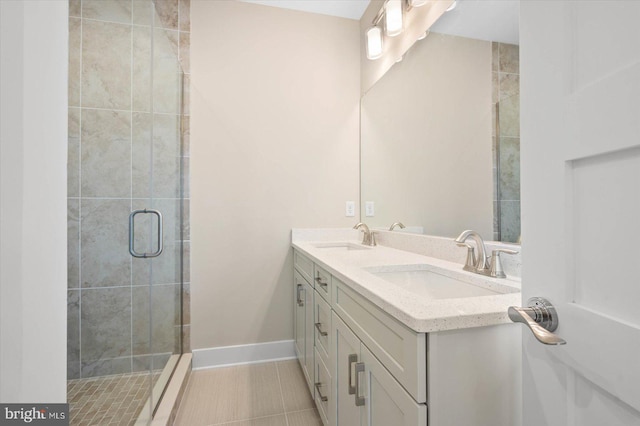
(368, 209)
(350, 209)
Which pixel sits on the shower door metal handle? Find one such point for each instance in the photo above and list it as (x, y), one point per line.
(132, 233)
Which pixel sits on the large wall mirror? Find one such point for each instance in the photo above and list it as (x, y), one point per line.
(440, 131)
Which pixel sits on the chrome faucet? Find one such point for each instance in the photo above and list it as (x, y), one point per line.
(479, 263)
(398, 224)
(369, 238)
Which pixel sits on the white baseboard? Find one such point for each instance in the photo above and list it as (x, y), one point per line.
(243, 354)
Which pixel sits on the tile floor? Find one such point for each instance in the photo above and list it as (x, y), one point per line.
(269, 394)
(108, 400)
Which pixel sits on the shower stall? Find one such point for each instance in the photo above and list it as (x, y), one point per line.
(128, 203)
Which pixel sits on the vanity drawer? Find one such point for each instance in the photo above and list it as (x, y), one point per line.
(322, 389)
(322, 323)
(401, 350)
(304, 265)
(322, 282)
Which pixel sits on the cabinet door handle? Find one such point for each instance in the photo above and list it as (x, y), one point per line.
(353, 358)
(300, 301)
(319, 281)
(322, 333)
(359, 399)
(322, 398)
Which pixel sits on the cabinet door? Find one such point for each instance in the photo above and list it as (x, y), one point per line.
(298, 319)
(309, 337)
(386, 402)
(346, 352)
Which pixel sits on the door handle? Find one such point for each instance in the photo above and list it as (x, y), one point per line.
(359, 399)
(132, 232)
(353, 358)
(541, 318)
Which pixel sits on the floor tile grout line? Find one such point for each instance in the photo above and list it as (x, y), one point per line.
(284, 406)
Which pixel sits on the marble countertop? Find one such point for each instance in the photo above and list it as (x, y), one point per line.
(421, 314)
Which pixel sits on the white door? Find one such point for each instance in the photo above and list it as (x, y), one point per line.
(580, 115)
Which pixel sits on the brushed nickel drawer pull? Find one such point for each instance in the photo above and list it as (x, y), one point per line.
(322, 398)
(300, 301)
(319, 281)
(353, 358)
(322, 333)
(359, 369)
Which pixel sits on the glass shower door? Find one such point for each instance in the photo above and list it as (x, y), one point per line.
(124, 319)
(156, 220)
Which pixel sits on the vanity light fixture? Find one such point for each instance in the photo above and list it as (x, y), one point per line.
(374, 42)
(453, 6)
(393, 11)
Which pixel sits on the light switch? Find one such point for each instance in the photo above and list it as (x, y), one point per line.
(351, 209)
(368, 209)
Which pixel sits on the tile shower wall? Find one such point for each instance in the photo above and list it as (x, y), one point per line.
(114, 109)
(506, 143)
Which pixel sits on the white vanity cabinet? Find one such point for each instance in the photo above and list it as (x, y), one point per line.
(303, 327)
(369, 369)
(366, 393)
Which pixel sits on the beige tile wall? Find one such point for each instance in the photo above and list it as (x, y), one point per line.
(121, 110)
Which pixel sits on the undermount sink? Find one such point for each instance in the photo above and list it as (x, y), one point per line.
(424, 281)
(341, 246)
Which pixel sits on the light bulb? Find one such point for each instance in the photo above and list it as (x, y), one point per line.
(374, 43)
(417, 3)
(393, 17)
(424, 35)
(453, 6)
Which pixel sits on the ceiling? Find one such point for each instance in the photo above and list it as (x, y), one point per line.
(352, 9)
(493, 20)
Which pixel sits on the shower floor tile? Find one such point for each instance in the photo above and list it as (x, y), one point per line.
(109, 400)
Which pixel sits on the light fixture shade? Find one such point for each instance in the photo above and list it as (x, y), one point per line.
(374, 42)
(393, 17)
(417, 3)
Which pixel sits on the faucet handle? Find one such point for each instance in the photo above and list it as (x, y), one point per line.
(496, 264)
(470, 264)
(373, 239)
